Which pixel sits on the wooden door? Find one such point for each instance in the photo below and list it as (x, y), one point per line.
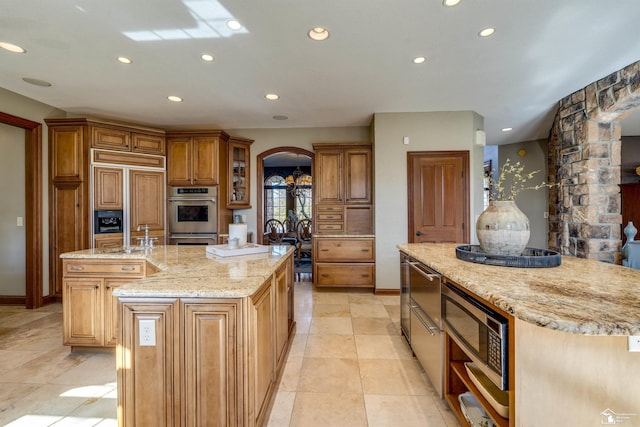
(107, 188)
(328, 180)
(82, 311)
(438, 196)
(147, 199)
(205, 160)
(179, 161)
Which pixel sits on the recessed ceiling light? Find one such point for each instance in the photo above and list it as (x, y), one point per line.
(36, 82)
(124, 60)
(233, 24)
(271, 96)
(12, 47)
(174, 98)
(207, 57)
(507, 129)
(449, 3)
(487, 32)
(280, 117)
(419, 59)
(318, 33)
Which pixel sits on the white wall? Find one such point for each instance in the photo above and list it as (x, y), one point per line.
(437, 131)
(12, 193)
(20, 106)
(267, 139)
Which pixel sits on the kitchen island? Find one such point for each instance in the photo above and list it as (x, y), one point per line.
(201, 340)
(569, 362)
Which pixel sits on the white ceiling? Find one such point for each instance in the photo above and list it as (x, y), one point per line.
(542, 51)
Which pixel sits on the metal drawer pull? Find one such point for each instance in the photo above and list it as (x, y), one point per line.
(422, 321)
(74, 268)
(325, 275)
(128, 268)
(324, 250)
(364, 250)
(364, 275)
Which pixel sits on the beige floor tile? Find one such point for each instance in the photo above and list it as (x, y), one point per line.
(331, 326)
(393, 311)
(368, 310)
(298, 345)
(364, 298)
(12, 359)
(282, 408)
(389, 376)
(328, 375)
(382, 347)
(331, 310)
(390, 299)
(303, 323)
(22, 318)
(373, 326)
(290, 374)
(342, 346)
(328, 410)
(97, 369)
(405, 411)
(331, 298)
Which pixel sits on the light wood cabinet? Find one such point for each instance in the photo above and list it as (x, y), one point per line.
(216, 360)
(238, 193)
(88, 310)
(147, 205)
(193, 158)
(68, 196)
(344, 262)
(107, 188)
(343, 188)
(109, 240)
(111, 136)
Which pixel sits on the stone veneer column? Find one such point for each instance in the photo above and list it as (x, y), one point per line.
(584, 158)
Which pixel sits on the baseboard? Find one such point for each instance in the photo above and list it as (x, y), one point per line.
(12, 300)
(387, 291)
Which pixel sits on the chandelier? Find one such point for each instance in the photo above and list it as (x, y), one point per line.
(296, 181)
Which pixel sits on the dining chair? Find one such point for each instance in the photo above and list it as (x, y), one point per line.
(273, 231)
(304, 233)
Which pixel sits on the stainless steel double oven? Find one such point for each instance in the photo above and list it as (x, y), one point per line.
(193, 215)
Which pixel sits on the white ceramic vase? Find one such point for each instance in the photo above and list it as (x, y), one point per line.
(503, 229)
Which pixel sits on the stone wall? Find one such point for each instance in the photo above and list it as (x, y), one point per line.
(584, 159)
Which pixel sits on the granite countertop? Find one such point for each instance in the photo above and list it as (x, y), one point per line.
(189, 271)
(580, 296)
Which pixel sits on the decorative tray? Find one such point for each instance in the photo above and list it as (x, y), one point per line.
(530, 258)
(249, 248)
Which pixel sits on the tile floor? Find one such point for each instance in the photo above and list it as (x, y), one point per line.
(348, 366)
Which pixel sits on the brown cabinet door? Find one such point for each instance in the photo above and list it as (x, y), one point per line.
(110, 310)
(282, 311)
(210, 331)
(149, 144)
(179, 161)
(438, 196)
(147, 199)
(205, 160)
(107, 188)
(111, 139)
(111, 240)
(263, 342)
(328, 176)
(358, 176)
(66, 153)
(82, 312)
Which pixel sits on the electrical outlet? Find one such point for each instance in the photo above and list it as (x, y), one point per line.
(147, 332)
(634, 343)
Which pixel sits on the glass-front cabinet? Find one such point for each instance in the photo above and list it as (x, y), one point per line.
(238, 182)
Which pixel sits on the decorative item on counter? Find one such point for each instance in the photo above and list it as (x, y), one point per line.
(238, 230)
(630, 232)
(233, 243)
(503, 229)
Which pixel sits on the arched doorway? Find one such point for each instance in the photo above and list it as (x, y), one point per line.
(33, 211)
(260, 168)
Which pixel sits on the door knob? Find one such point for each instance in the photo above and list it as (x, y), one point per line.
(418, 233)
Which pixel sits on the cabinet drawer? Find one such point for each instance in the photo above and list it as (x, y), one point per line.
(344, 250)
(110, 138)
(332, 274)
(118, 268)
(324, 227)
(325, 216)
(329, 209)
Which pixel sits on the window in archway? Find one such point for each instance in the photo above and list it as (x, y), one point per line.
(275, 198)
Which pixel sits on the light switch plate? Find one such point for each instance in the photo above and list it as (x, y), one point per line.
(634, 343)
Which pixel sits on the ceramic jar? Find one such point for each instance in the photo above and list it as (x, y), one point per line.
(503, 229)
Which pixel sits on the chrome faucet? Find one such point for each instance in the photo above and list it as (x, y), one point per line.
(145, 241)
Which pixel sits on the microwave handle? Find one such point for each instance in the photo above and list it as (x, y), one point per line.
(213, 200)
